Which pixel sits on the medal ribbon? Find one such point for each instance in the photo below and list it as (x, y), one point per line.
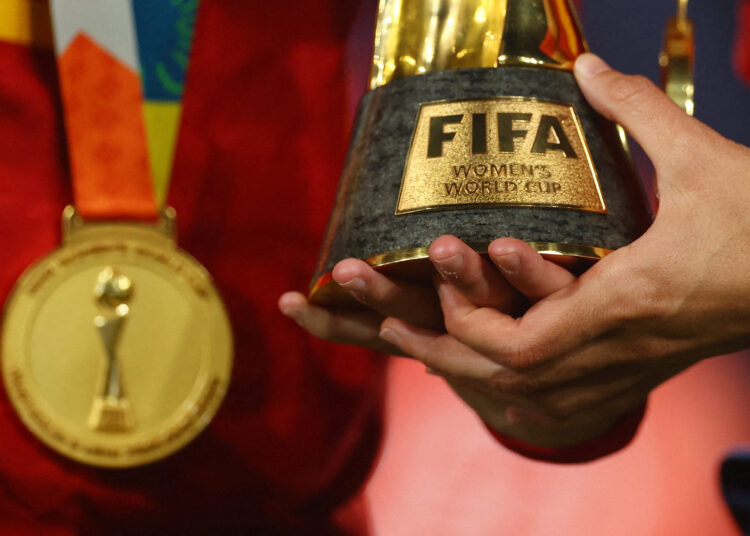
(122, 66)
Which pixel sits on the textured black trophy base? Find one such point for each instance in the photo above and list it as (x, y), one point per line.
(364, 224)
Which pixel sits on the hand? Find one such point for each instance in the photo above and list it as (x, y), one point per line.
(383, 297)
(469, 273)
(590, 352)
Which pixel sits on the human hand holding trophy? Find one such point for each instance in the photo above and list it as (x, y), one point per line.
(474, 127)
(574, 363)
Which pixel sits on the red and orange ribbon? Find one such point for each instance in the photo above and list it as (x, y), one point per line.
(120, 142)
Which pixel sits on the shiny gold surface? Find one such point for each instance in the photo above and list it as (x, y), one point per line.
(677, 59)
(622, 134)
(418, 36)
(116, 349)
(413, 264)
(111, 410)
(504, 151)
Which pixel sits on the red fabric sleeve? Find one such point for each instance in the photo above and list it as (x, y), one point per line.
(612, 441)
(742, 43)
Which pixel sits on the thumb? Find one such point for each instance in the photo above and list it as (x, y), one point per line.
(634, 102)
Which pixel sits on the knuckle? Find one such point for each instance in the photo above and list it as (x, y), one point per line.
(523, 384)
(387, 295)
(628, 90)
(651, 293)
(526, 357)
(563, 410)
(639, 292)
(509, 382)
(456, 322)
(329, 329)
(693, 159)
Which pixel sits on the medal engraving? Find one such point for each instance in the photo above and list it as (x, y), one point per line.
(116, 348)
(111, 411)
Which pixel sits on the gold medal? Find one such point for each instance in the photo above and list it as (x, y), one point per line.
(116, 348)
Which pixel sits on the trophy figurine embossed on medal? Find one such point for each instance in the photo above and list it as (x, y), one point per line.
(474, 126)
(111, 410)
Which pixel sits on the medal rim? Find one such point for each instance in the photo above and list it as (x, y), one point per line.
(219, 366)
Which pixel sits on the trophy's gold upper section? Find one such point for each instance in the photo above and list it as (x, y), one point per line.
(418, 36)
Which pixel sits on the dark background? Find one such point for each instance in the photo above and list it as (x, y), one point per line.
(628, 35)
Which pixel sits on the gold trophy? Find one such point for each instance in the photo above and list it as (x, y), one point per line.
(474, 126)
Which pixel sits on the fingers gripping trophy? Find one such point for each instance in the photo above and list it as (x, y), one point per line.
(474, 126)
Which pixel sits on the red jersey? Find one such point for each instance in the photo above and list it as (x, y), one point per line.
(263, 137)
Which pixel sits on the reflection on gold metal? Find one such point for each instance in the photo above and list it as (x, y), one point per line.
(503, 151)
(72, 223)
(622, 134)
(163, 325)
(570, 250)
(111, 410)
(413, 264)
(418, 36)
(677, 59)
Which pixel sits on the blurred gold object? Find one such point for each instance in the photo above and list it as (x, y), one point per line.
(419, 37)
(677, 59)
(154, 319)
(111, 410)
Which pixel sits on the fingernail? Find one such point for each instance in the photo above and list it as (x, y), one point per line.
(286, 307)
(589, 65)
(292, 313)
(509, 263)
(450, 267)
(356, 285)
(390, 336)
